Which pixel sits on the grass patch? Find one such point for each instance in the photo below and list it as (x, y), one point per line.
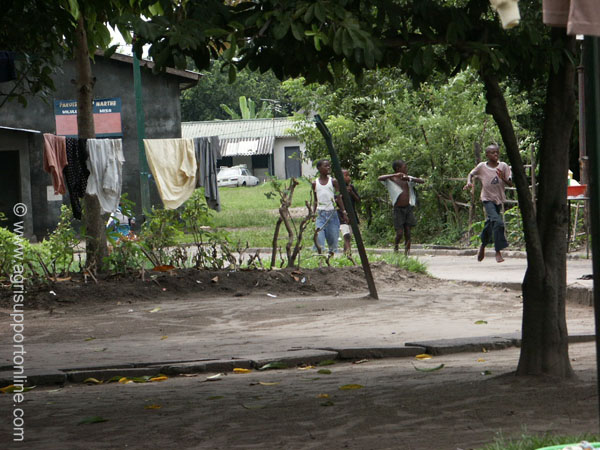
(245, 219)
(254, 198)
(531, 442)
(249, 207)
(401, 261)
(249, 217)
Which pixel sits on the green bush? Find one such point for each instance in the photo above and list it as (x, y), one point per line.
(159, 238)
(15, 250)
(57, 253)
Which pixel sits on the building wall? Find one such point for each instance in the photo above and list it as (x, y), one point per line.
(113, 79)
(279, 157)
(19, 142)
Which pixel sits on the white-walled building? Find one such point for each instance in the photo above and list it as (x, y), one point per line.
(266, 146)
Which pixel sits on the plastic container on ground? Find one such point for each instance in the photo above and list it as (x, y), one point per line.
(576, 191)
(595, 445)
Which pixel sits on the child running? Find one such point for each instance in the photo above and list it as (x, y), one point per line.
(326, 191)
(345, 228)
(400, 187)
(494, 176)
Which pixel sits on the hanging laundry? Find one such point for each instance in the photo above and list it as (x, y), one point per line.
(508, 10)
(76, 172)
(7, 66)
(55, 159)
(578, 16)
(105, 164)
(208, 150)
(173, 166)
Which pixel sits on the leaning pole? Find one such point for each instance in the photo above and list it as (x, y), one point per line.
(337, 170)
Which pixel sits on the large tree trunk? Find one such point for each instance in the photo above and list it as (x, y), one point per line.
(544, 349)
(95, 244)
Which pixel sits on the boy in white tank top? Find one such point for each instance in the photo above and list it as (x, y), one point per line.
(326, 193)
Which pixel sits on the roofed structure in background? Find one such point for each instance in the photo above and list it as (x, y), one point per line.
(244, 137)
(22, 175)
(268, 147)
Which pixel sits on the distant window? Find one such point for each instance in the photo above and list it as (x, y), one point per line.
(226, 161)
(260, 161)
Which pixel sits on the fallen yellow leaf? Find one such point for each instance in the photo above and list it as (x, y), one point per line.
(323, 396)
(123, 380)
(161, 378)
(155, 309)
(481, 360)
(92, 380)
(306, 367)
(423, 356)
(240, 370)
(12, 388)
(163, 338)
(349, 387)
(264, 383)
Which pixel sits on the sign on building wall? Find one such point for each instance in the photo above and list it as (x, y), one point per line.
(107, 117)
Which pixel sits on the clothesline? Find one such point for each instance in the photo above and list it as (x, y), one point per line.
(179, 166)
(86, 166)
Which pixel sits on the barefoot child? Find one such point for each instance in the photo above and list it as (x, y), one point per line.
(494, 176)
(326, 191)
(345, 228)
(400, 187)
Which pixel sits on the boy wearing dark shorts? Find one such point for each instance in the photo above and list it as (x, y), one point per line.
(400, 187)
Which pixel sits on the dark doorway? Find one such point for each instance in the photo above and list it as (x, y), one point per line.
(10, 185)
(293, 162)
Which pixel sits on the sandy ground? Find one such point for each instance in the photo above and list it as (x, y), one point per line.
(461, 406)
(189, 316)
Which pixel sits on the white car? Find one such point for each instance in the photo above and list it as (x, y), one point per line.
(236, 176)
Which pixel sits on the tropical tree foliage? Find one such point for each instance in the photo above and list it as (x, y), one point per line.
(439, 129)
(248, 110)
(203, 101)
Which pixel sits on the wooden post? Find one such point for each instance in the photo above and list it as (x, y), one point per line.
(337, 169)
(591, 55)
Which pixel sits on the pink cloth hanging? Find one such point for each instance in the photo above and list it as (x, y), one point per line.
(55, 159)
(578, 16)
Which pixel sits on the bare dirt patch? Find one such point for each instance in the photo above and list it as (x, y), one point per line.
(211, 283)
(192, 315)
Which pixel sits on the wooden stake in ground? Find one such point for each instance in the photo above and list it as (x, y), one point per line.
(337, 170)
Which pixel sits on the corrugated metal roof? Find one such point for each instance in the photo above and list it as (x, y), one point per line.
(243, 128)
(247, 146)
(20, 129)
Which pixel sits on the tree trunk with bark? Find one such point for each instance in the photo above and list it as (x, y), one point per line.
(95, 244)
(544, 349)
